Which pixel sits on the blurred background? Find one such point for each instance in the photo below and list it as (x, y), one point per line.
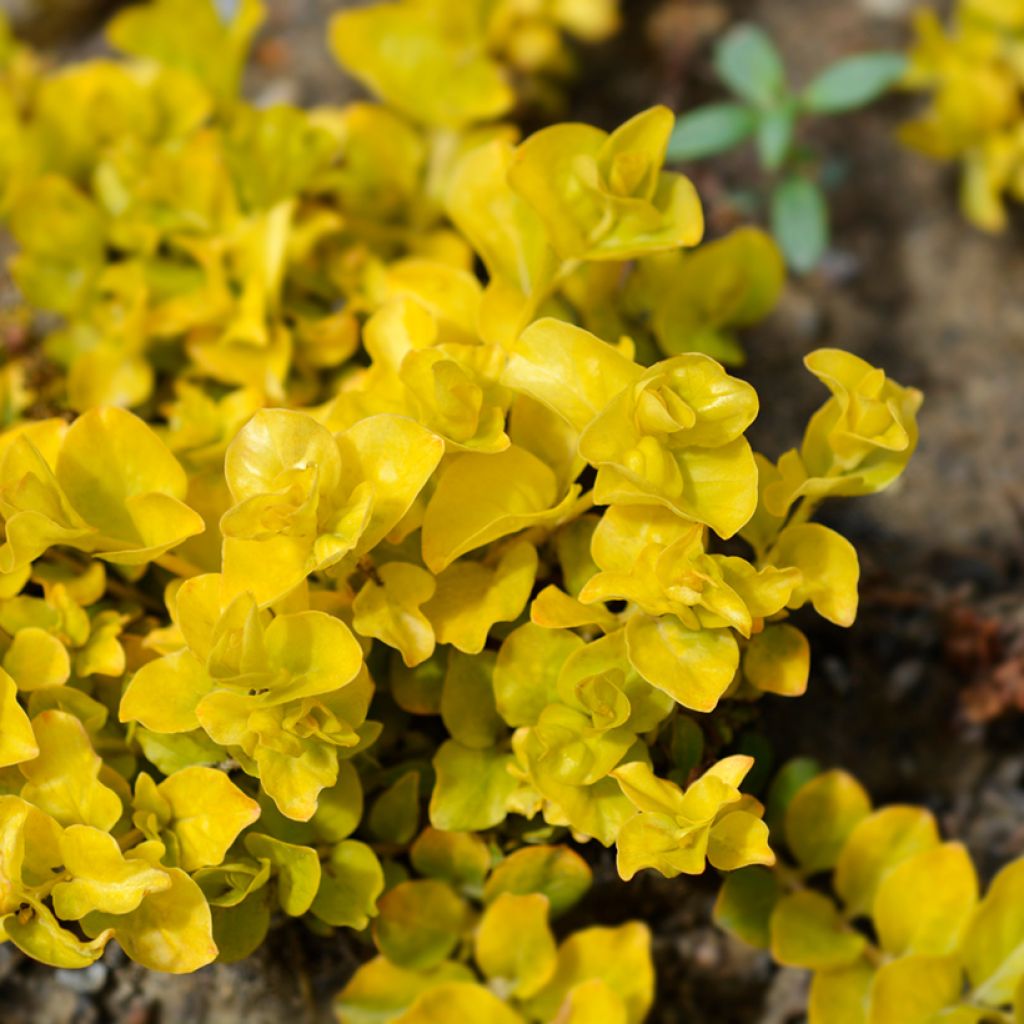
(922, 698)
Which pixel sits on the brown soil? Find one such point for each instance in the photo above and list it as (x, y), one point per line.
(900, 698)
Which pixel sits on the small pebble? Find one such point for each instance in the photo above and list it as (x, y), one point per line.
(87, 981)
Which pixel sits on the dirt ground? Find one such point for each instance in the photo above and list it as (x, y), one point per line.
(918, 698)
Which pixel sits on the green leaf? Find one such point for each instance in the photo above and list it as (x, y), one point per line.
(748, 62)
(710, 130)
(788, 781)
(853, 82)
(745, 904)
(775, 135)
(395, 815)
(800, 222)
(352, 880)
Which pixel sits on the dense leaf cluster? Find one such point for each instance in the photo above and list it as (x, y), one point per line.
(975, 73)
(374, 471)
(900, 935)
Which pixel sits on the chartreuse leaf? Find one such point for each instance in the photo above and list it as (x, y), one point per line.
(420, 923)
(556, 872)
(467, 701)
(879, 843)
(527, 669)
(181, 33)
(807, 930)
(380, 990)
(207, 812)
(350, 884)
(620, 957)
(526, 962)
(17, 741)
(993, 948)
(820, 818)
(460, 858)
(101, 878)
(239, 930)
(394, 817)
(925, 904)
(297, 869)
(472, 788)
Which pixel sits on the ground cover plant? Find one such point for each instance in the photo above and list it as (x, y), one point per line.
(381, 538)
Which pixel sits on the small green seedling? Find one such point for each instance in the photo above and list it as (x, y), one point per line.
(767, 110)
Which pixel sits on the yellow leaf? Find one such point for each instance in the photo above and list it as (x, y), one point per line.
(695, 667)
(821, 816)
(514, 946)
(37, 660)
(620, 957)
(208, 811)
(164, 693)
(63, 780)
(17, 741)
(879, 843)
(778, 660)
(568, 370)
(925, 904)
(134, 496)
(840, 995)
(424, 61)
(830, 570)
(993, 948)
(101, 878)
(808, 931)
(170, 930)
(392, 611)
(915, 990)
(472, 596)
(480, 498)
(459, 1001)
